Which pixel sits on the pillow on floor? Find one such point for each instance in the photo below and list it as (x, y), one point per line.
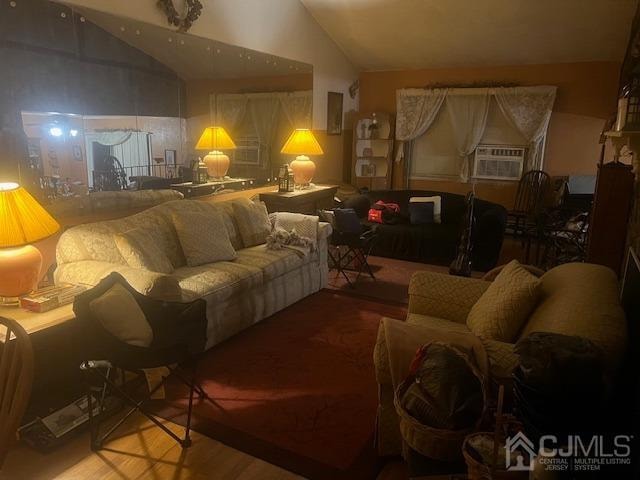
(505, 306)
(140, 249)
(253, 222)
(203, 237)
(437, 205)
(120, 315)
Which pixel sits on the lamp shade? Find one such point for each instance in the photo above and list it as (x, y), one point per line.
(215, 138)
(22, 219)
(302, 142)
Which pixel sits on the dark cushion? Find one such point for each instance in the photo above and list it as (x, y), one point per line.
(346, 221)
(360, 203)
(421, 213)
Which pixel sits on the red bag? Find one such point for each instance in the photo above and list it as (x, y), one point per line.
(382, 212)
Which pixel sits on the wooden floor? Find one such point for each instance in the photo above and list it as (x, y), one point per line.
(143, 451)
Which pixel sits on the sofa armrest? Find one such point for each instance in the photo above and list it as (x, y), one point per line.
(289, 220)
(324, 230)
(90, 272)
(444, 296)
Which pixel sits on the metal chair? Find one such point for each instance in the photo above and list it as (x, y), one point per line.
(179, 335)
(16, 380)
(529, 199)
(352, 245)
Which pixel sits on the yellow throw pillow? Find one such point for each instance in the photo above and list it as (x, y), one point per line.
(505, 306)
(141, 250)
(120, 315)
(203, 237)
(253, 222)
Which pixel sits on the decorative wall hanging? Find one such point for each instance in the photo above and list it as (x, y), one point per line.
(334, 113)
(193, 10)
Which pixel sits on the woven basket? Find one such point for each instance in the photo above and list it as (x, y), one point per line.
(479, 471)
(436, 443)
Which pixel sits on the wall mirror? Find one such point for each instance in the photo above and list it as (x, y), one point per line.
(93, 101)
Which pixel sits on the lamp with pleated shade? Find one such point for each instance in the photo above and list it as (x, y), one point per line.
(23, 221)
(215, 139)
(302, 143)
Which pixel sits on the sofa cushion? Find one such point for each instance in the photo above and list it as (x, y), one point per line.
(203, 237)
(505, 306)
(435, 322)
(253, 222)
(120, 315)
(272, 263)
(217, 281)
(140, 250)
(435, 200)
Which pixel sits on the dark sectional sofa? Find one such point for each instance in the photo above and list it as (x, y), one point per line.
(435, 243)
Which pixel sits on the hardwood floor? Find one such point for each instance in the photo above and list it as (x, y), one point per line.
(142, 451)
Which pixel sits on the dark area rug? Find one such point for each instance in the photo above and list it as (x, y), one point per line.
(298, 389)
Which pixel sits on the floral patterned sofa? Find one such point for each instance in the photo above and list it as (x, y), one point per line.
(239, 293)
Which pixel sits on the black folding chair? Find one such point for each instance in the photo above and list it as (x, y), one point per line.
(352, 243)
(179, 336)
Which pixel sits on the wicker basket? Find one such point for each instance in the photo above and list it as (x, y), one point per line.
(436, 443)
(479, 471)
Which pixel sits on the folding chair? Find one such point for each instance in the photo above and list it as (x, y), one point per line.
(179, 335)
(352, 243)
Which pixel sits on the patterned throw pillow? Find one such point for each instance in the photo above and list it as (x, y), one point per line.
(140, 249)
(253, 222)
(505, 306)
(203, 237)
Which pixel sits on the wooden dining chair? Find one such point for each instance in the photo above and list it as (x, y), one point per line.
(16, 379)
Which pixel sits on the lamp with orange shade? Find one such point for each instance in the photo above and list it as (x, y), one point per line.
(215, 139)
(302, 143)
(23, 221)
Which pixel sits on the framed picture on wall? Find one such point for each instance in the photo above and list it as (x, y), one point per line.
(334, 113)
(170, 158)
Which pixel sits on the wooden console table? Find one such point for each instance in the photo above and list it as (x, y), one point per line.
(308, 200)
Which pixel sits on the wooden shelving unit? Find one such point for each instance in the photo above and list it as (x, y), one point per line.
(372, 162)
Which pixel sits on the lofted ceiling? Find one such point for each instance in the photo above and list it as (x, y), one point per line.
(193, 57)
(408, 34)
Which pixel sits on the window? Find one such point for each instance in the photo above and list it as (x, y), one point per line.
(434, 154)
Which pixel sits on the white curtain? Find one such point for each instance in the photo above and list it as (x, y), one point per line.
(264, 115)
(297, 108)
(529, 110)
(468, 117)
(229, 110)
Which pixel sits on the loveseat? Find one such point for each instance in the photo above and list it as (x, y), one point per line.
(437, 243)
(576, 299)
(239, 293)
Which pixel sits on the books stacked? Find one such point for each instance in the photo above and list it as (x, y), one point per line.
(50, 297)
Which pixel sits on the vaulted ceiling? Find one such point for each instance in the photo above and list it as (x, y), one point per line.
(407, 34)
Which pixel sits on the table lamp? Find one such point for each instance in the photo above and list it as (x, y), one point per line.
(23, 221)
(302, 143)
(215, 139)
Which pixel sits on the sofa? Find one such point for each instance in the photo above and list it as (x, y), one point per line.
(436, 243)
(239, 293)
(576, 299)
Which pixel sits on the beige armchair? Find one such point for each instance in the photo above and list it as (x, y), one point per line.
(577, 299)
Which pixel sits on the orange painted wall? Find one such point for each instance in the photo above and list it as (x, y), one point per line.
(587, 95)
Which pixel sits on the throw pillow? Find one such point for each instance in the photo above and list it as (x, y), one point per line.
(140, 249)
(120, 315)
(253, 222)
(505, 306)
(203, 237)
(421, 213)
(437, 205)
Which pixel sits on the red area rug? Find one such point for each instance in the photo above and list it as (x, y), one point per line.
(298, 389)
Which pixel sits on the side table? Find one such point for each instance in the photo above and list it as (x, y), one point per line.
(308, 200)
